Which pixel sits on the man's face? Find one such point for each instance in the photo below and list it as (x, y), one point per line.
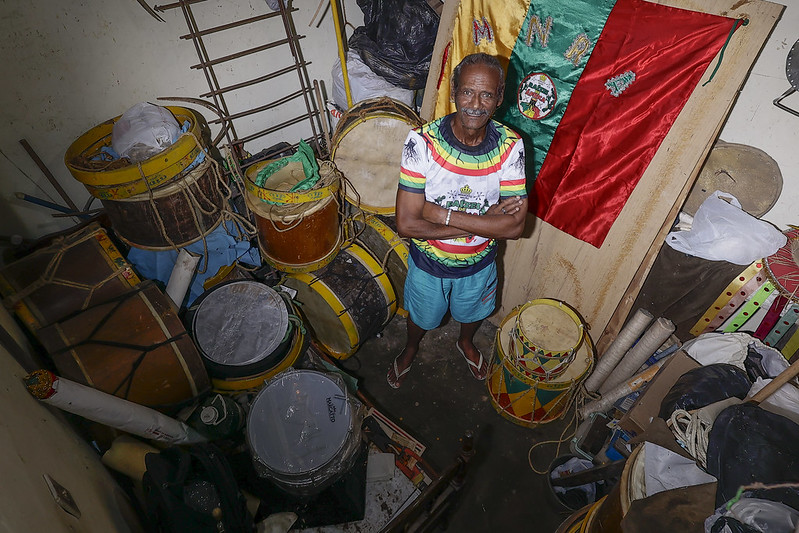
(477, 98)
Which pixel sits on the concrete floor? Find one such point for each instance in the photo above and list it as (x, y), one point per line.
(438, 401)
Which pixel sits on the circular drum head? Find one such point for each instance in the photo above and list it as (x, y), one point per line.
(240, 323)
(549, 327)
(746, 172)
(579, 366)
(367, 149)
(299, 422)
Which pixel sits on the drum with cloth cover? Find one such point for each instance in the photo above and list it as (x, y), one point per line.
(304, 430)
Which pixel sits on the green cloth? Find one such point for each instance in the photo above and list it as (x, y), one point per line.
(310, 168)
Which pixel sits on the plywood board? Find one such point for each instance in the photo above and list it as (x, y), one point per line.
(602, 283)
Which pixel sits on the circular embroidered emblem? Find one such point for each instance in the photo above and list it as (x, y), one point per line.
(536, 96)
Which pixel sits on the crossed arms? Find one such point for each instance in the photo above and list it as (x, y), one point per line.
(420, 219)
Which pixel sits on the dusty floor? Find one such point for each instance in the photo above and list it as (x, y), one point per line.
(438, 401)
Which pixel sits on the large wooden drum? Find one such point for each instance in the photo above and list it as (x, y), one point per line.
(367, 149)
(297, 231)
(134, 347)
(378, 234)
(172, 216)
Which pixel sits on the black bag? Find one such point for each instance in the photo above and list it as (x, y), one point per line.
(705, 385)
(194, 491)
(397, 39)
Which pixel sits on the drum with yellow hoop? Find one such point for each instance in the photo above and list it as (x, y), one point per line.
(114, 180)
(297, 231)
(246, 333)
(546, 337)
(529, 401)
(367, 149)
(346, 302)
(378, 234)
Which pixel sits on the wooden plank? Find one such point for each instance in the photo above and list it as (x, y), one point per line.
(446, 26)
(602, 283)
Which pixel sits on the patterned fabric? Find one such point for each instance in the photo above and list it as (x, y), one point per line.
(593, 87)
(464, 178)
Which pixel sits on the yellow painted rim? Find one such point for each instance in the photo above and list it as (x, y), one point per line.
(391, 237)
(127, 181)
(338, 309)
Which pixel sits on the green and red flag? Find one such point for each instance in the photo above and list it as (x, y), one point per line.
(593, 87)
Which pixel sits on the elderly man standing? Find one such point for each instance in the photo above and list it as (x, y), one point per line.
(462, 187)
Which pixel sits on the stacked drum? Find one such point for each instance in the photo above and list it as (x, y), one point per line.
(541, 355)
(165, 202)
(337, 241)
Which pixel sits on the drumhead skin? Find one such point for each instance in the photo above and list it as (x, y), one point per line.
(549, 326)
(367, 149)
(240, 323)
(299, 423)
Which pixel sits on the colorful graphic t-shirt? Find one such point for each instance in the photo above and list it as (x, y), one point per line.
(464, 178)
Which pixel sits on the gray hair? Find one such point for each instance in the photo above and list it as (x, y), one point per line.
(479, 59)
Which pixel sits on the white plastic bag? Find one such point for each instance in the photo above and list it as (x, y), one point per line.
(143, 131)
(784, 402)
(722, 231)
(364, 84)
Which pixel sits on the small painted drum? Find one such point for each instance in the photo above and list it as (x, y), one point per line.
(346, 302)
(367, 149)
(527, 401)
(297, 231)
(304, 430)
(172, 216)
(546, 337)
(245, 333)
(378, 234)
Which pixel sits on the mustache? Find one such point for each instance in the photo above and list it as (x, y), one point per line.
(475, 112)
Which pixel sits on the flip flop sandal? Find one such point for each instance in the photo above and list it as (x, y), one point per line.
(474, 368)
(395, 384)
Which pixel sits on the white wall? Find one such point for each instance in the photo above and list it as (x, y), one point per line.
(757, 122)
(69, 65)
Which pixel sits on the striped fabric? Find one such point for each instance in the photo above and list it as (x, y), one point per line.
(468, 179)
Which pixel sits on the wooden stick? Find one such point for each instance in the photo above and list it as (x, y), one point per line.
(46, 171)
(775, 384)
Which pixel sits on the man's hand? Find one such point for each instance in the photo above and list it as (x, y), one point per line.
(508, 206)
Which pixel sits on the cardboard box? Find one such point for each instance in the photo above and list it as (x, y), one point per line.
(647, 406)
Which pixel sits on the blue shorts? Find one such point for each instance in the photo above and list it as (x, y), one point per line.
(469, 299)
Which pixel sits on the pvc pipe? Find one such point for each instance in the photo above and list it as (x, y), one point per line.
(636, 356)
(181, 276)
(109, 410)
(623, 341)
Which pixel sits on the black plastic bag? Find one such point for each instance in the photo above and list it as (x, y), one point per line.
(396, 40)
(705, 385)
(748, 444)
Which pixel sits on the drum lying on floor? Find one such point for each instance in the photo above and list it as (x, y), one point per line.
(244, 333)
(297, 231)
(346, 302)
(527, 401)
(367, 149)
(304, 431)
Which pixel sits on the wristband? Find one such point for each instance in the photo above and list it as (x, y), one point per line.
(449, 215)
